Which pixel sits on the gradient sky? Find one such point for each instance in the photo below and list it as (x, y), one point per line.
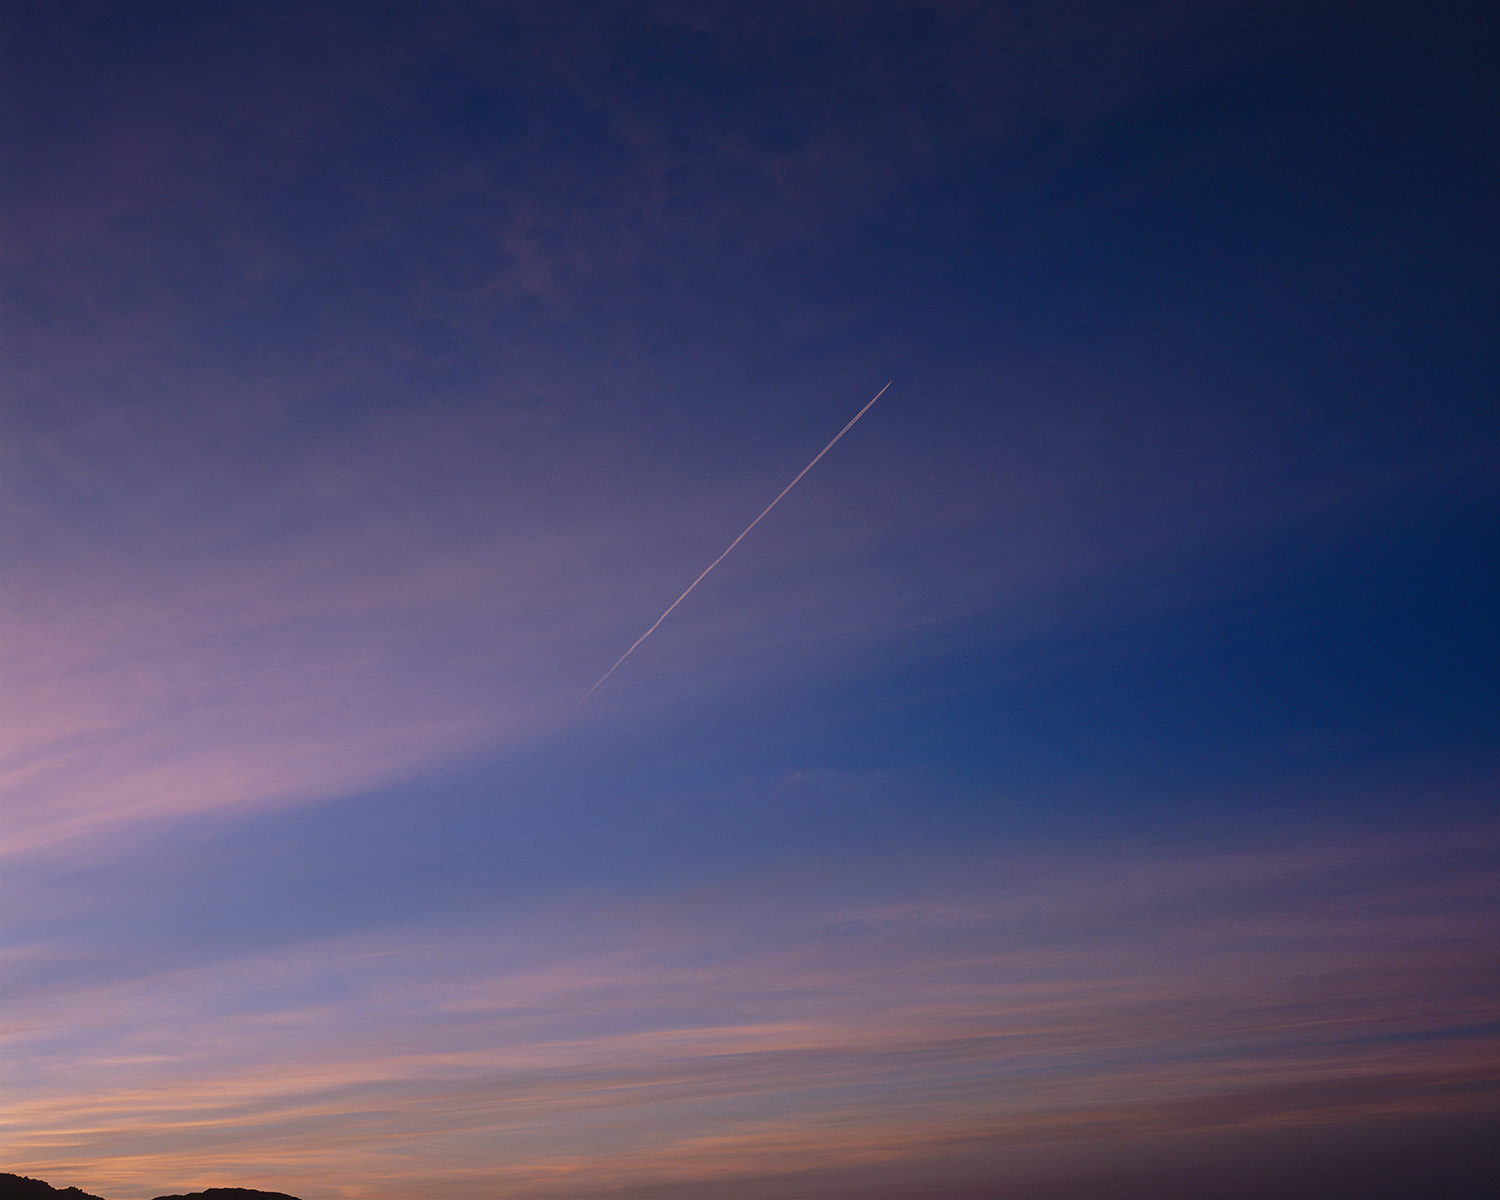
(1083, 783)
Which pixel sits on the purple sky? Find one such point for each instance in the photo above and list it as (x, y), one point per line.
(1083, 782)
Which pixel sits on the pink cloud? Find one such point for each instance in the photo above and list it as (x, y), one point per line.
(788, 1027)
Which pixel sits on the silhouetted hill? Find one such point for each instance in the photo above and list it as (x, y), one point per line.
(22, 1187)
(230, 1194)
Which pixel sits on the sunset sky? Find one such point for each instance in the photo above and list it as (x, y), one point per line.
(1083, 783)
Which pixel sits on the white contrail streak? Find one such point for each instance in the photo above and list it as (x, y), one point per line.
(733, 544)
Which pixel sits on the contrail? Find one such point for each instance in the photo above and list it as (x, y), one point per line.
(733, 544)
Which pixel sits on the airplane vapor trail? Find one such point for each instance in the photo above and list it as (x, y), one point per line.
(734, 543)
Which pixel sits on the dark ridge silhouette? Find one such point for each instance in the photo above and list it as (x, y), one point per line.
(22, 1187)
(229, 1194)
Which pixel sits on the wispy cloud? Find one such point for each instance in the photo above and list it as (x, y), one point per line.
(337, 449)
(789, 1025)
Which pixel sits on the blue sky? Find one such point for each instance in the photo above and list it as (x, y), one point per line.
(1085, 777)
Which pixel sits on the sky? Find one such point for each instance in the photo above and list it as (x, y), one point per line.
(1083, 782)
